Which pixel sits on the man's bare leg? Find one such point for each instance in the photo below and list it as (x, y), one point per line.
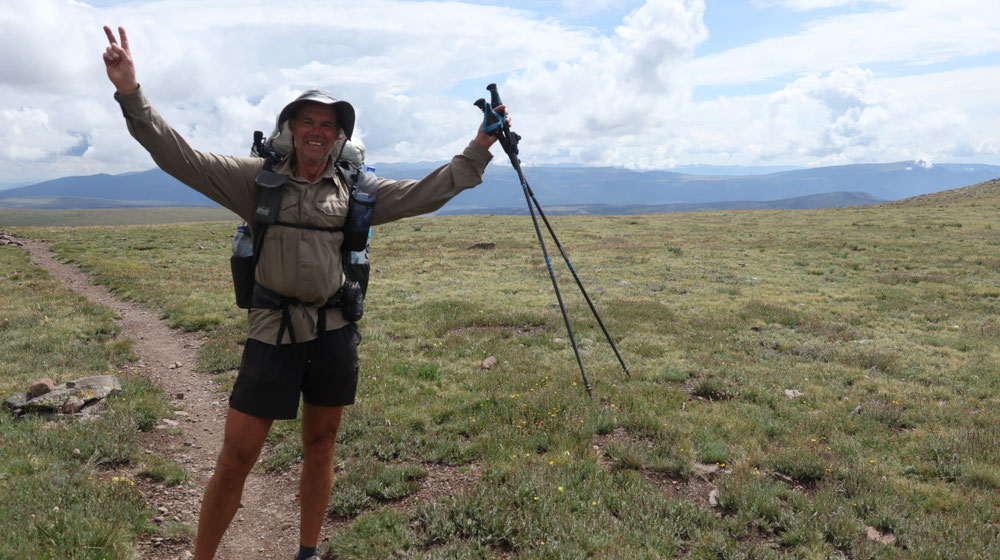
(241, 445)
(319, 436)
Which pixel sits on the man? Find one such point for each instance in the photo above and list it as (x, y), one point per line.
(316, 356)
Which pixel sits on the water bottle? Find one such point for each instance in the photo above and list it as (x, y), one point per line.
(361, 257)
(359, 213)
(242, 266)
(242, 243)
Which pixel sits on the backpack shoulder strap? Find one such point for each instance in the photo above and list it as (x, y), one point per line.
(270, 188)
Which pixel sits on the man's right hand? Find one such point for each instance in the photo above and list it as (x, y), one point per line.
(118, 62)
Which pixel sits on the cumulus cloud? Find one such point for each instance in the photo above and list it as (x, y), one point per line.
(845, 116)
(626, 88)
(609, 95)
(911, 31)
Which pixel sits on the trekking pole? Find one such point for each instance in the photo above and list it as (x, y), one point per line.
(508, 140)
(503, 133)
(495, 98)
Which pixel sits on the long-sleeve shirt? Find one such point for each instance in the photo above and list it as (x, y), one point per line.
(304, 264)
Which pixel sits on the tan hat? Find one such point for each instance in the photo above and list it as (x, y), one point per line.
(345, 112)
(281, 138)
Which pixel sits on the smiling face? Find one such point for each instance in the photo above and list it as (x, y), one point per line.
(314, 130)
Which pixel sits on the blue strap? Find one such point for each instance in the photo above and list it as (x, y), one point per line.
(492, 121)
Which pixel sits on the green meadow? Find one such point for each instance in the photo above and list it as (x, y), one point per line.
(831, 378)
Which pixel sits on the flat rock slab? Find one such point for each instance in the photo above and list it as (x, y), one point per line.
(86, 389)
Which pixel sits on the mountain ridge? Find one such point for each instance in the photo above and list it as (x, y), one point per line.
(601, 187)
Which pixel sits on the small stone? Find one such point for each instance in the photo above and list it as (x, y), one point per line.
(73, 405)
(705, 469)
(175, 365)
(76, 451)
(489, 363)
(793, 393)
(880, 537)
(713, 497)
(181, 413)
(41, 386)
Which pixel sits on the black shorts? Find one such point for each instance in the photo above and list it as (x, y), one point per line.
(272, 377)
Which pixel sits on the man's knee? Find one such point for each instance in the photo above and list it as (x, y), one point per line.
(235, 460)
(319, 446)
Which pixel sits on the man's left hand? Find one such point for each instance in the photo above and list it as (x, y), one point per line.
(487, 140)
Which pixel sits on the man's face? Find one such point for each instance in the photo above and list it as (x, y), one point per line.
(315, 130)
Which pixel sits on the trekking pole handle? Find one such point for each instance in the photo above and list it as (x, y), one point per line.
(492, 120)
(495, 97)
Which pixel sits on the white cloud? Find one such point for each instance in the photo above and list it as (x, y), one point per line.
(219, 70)
(847, 116)
(27, 134)
(912, 33)
(804, 5)
(621, 92)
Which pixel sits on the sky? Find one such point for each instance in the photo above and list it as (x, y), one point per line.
(648, 84)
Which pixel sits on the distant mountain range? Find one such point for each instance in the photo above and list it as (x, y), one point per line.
(567, 189)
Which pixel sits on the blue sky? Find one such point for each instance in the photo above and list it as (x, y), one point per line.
(647, 84)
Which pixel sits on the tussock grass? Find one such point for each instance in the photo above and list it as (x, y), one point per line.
(882, 320)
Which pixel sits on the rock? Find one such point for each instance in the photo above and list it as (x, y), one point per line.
(713, 497)
(793, 393)
(880, 537)
(72, 405)
(16, 401)
(8, 239)
(483, 245)
(489, 363)
(175, 365)
(705, 469)
(86, 389)
(41, 386)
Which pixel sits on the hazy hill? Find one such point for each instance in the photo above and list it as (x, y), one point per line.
(982, 194)
(149, 188)
(556, 186)
(825, 200)
(565, 186)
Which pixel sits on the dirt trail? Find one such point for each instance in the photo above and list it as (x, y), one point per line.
(267, 526)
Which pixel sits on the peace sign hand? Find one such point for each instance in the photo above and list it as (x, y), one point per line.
(118, 62)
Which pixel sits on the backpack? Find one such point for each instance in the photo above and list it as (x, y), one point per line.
(248, 242)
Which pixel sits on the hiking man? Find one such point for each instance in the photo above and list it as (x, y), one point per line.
(300, 259)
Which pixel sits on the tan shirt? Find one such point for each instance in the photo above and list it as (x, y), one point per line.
(298, 263)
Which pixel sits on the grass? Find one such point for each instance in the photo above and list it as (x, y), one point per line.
(884, 318)
(59, 498)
